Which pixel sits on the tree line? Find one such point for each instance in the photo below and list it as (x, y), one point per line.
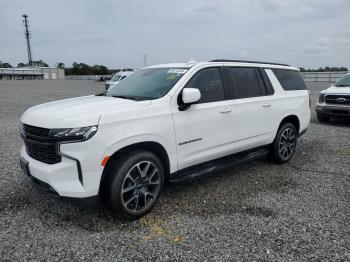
(325, 69)
(85, 69)
(75, 69)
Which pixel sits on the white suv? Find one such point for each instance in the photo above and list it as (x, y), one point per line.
(334, 102)
(168, 122)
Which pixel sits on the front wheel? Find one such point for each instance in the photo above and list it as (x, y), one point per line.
(134, 184)
(284, 145)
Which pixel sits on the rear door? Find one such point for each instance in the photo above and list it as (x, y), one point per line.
(250, 107)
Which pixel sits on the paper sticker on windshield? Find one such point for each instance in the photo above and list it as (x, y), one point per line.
(177, 71)
(171, 77)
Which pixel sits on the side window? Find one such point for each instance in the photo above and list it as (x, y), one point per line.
(245, 81)
(209, 83)
(290, 79)
(267, 83)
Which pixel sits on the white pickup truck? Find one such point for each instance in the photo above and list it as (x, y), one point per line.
(334, 102)
(168, 122)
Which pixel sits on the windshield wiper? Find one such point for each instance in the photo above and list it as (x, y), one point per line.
(101, 94)
(342, 85)
(127, 97)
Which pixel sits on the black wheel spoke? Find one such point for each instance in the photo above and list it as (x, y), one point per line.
(140, 186)
(128, 189)
(131, 199)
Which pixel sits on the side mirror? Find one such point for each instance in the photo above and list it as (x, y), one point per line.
(189, 96)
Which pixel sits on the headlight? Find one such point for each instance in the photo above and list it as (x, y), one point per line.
(321, 98)
(74, 134)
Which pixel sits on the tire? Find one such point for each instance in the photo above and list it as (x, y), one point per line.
(322, 118)
(283, 147)
(133, 184)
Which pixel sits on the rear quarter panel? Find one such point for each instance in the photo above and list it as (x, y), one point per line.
(288, 103)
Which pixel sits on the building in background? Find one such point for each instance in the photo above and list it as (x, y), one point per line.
(26, 73)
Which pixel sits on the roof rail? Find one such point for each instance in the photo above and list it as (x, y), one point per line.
(245, 61)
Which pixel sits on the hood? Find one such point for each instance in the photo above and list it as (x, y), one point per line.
(337, 90)
(77, 112)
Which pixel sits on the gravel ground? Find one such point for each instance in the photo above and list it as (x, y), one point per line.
(256, 211)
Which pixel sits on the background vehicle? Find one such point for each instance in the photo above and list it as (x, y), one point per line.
(117, 78)
(168, 122)
(334, 102)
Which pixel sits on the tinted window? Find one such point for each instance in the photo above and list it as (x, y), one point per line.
(267, 82)
(209, 83)
(245, 81)
(290, 79)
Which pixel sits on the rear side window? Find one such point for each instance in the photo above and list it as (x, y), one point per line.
(209, 83)
(290, 79)
(245, 81)
(267, 83)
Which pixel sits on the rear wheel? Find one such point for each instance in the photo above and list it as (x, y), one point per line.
(284, 145)
(133, 184)
(322, 118)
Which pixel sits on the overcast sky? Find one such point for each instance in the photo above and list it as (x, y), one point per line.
(308, 33)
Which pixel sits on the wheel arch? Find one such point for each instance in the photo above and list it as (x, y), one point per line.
(293, 119)
(151, 146)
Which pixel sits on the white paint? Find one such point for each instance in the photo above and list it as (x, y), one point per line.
(216, 129)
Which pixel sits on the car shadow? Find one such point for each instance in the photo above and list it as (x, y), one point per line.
(332, 122)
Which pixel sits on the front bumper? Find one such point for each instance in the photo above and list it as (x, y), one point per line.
(61, 179)
(338, 112)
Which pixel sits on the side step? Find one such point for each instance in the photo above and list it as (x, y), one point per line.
(192, 173)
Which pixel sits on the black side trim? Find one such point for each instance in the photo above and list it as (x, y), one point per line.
(193, 172)
(80, 173)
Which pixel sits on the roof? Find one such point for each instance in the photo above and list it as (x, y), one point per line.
(247, 61)
(218, 61)
(173, 65)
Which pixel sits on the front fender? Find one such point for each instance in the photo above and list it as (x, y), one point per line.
(169, 148)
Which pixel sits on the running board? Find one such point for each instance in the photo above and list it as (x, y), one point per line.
(192, 173)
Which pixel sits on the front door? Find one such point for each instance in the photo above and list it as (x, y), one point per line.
(205, 131)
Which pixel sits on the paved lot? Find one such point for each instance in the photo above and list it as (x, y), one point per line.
(257, 211)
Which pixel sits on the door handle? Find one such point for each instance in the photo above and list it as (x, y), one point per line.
(225, 110)
(266, 105)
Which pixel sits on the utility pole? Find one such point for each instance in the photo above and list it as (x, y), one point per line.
(27, 35)
(144, 60)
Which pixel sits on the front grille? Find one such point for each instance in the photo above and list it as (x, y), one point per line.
(39, 146)
(337, 99)
(36, 131)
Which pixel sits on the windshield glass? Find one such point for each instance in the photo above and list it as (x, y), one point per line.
(149, 83)
(344, 81)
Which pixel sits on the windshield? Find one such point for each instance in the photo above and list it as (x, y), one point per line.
(149, 83)
(344, 81)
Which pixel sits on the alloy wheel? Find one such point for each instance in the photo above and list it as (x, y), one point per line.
(140, 187)
(287, 143)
